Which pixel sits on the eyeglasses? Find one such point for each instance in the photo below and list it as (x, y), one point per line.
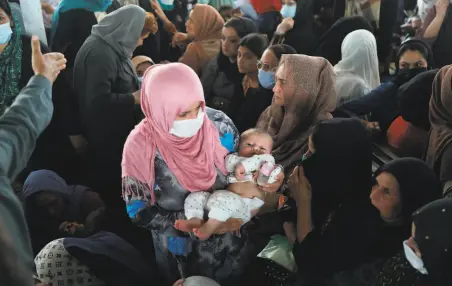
(265, 67)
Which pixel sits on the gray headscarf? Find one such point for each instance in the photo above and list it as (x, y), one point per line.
(121, 29)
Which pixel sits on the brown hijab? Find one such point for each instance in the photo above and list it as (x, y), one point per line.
(440, 116)
(208, 25)
(313, 100)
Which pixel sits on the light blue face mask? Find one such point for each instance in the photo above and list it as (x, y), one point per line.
(5, 33)
(289, 11)
(140, 80)
(266, 79)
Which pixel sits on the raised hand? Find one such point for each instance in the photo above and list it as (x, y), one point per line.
(48, 65)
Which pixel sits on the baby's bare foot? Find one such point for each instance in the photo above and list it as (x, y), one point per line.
(202, 233)
(188, 225)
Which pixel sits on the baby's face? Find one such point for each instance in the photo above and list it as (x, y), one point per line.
(255, 144)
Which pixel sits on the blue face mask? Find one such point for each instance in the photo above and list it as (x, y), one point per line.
(5, 33)
(140, 80)
(289, 11)
(266, 79)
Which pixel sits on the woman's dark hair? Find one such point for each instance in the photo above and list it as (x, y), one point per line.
(282, 49)
(242, 26)
(5, 6)
(416, 45)
(256, 43)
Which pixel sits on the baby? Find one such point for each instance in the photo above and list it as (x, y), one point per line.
(243, 195)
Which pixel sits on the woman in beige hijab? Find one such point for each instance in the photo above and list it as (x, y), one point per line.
(304, 94)
(204, 27)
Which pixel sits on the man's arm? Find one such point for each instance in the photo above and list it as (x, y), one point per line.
(20, 126)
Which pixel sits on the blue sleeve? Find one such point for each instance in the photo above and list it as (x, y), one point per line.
(228, 142)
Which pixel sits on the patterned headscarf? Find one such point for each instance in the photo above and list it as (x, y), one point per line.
(11, 67)
(313, 100)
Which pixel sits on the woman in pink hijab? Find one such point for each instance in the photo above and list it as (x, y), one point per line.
(176, 150)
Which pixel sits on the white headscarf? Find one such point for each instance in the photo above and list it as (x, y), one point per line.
(358, 70)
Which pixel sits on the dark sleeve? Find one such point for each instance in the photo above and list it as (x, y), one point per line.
(64, 33)
(368, 103)
(208, 76)
(446, 165)
(20, 126)
(101, 69)
(27, 70)
(91, 201)
(324, 253)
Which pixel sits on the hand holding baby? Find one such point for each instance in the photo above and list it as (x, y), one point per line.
(240, 172)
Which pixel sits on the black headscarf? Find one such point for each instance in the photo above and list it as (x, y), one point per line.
(304, 36)
(433, 235)
(414, 98)
(417, 183)
(340, 170)
(242, 26)
(443, 43)
(415, 45)
(331, 42)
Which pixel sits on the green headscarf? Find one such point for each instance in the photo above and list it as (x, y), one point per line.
(11, 67)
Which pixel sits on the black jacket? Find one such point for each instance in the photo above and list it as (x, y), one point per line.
(74, 27)
(104, 82)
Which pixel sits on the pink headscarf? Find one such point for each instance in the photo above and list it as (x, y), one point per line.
(168, 90)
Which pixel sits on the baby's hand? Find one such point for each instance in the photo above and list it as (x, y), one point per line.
(240, 172)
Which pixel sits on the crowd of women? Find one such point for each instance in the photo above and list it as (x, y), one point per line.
(134, 105)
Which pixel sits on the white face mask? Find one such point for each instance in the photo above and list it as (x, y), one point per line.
(414, 260)
(188, 128)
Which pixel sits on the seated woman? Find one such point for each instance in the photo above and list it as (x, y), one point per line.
(357, 73)
(203, 34)
(258, 95)
(255, 99)
(426, 257)
(348, 229)
(439, 153)
(380, 105)
(408, 133)
(51, 204)
(303, 95)
(220, 78)
(53, 149)
(140, 65)
(331, 42)
(101, 259)
(176, 150)
(15, 57)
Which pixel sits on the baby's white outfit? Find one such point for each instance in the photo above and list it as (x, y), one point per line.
(251, 164)
(223, 205)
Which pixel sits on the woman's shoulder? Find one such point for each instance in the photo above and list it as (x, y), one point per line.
(95, 48)
(221, 121)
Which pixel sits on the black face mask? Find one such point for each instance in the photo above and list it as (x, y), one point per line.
(405, 75)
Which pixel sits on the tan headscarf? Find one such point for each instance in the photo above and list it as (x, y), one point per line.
(440, 116)
(138, 60)
(313, 100)
(208, 25)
